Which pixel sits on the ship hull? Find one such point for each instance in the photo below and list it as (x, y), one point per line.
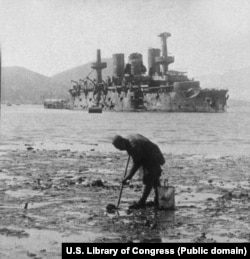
(206, 100)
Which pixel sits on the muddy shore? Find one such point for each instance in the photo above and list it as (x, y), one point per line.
(49, 197)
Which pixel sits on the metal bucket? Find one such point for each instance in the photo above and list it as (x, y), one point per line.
(166, 197)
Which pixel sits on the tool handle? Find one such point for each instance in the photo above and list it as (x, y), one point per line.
(121, 188)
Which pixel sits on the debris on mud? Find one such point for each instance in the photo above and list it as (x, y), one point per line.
(97, 183)
(111, 208)
(51, 196)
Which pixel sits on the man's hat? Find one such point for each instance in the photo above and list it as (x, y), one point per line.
(117, 139)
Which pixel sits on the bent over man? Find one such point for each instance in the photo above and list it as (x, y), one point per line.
(144, 154)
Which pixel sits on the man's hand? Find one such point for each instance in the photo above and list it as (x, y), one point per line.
(125, 181)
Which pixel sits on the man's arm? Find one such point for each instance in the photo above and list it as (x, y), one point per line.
(136, 154)
(131, 173)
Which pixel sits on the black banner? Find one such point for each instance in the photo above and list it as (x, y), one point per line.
(81, 250)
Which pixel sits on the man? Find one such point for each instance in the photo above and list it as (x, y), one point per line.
(144, 154)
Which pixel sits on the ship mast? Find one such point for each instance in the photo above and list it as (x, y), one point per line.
(164, 60)
(99, 66)
(98, 85)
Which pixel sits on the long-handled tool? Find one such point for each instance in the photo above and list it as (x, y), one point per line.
(112, 207)
(119, 199)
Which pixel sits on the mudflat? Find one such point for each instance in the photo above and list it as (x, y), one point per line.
(54, 196)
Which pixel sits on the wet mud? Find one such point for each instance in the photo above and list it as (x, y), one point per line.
(50, 196)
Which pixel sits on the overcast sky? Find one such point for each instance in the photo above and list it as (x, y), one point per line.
(50, 36)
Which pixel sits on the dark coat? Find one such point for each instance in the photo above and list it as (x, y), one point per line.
(147, 155)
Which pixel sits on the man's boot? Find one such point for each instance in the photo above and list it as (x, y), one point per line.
(141, 203)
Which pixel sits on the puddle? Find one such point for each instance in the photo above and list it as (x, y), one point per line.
(11, 179)
(223, 239)
(36, 205)
(23, 193)
(196, 199)
(45, 243)
(220, 183)
(4, 176)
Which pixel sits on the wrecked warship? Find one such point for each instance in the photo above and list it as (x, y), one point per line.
(132, 89)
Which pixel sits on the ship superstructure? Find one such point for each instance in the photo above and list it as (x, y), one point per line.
(132, 88)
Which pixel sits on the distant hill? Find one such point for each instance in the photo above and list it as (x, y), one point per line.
(80, 72)
(23, 86)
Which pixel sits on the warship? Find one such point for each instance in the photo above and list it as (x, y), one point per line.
(132, 88)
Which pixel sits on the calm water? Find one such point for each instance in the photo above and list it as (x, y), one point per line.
(191, 133)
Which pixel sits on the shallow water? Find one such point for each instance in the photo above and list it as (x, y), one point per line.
(41, 239)
(190, 133)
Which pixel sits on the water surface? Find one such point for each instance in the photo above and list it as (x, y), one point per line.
(215, 134)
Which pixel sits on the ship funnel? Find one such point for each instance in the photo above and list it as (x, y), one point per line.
(118, 65)
(153, 67)
(136, 62)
